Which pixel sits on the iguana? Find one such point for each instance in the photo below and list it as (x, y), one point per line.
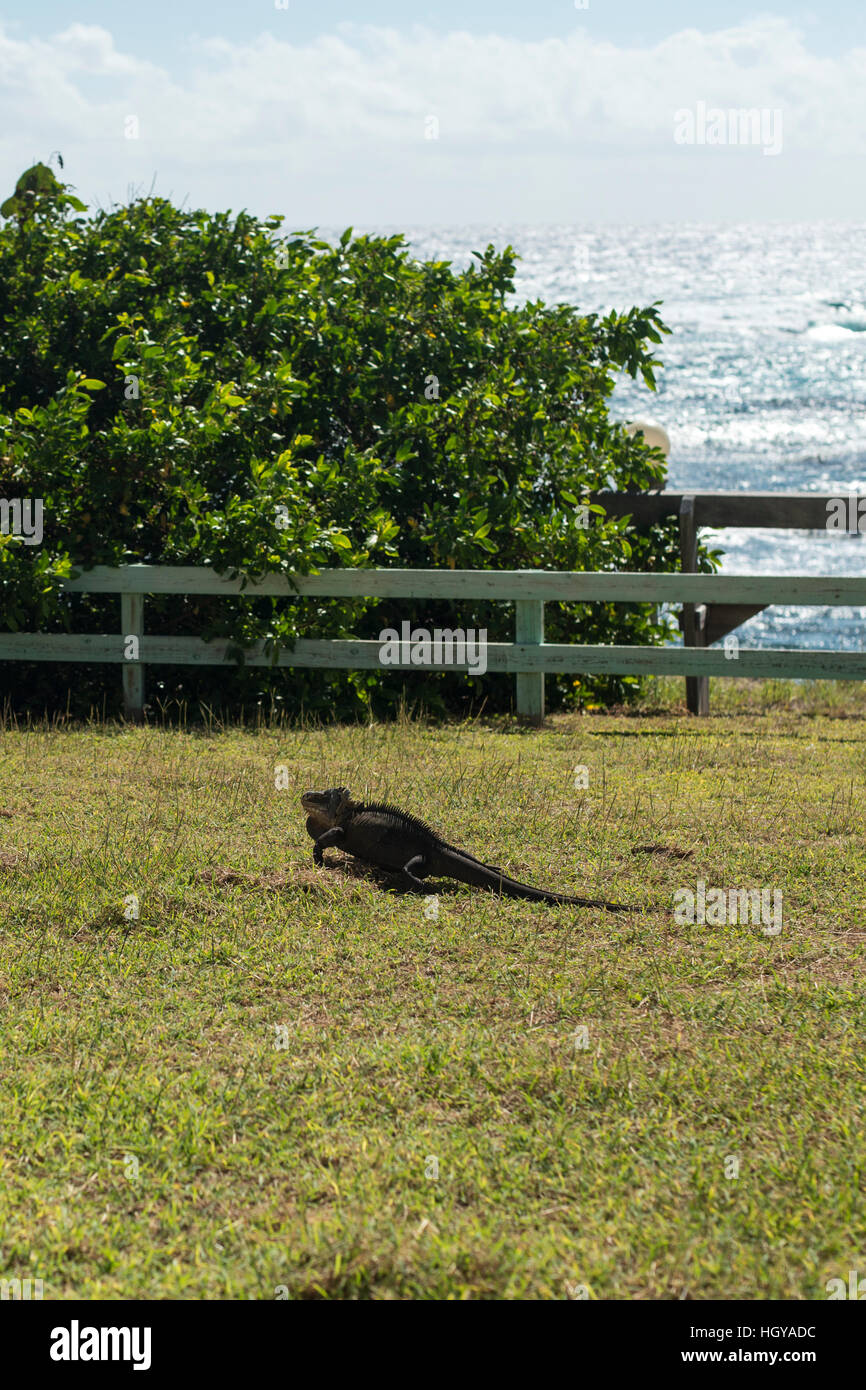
(390, 839)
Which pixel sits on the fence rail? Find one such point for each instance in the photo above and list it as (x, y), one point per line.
(529, 657)
(573, 586)
(805, 511)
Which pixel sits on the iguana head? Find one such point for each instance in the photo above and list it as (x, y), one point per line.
(329, 808)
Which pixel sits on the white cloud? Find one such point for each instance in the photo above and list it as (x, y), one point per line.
(346, 112)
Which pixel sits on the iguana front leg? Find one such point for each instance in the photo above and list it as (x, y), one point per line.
(412, 871)
(330, 837)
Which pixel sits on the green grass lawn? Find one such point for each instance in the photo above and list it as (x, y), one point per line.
(280, 1078)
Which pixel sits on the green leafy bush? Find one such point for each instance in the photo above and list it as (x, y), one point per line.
(181, 387)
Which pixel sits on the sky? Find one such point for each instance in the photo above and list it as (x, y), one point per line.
(393, 114)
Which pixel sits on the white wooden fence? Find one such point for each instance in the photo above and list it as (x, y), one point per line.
(528, 657)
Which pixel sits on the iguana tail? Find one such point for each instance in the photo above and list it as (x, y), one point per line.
(480, 875)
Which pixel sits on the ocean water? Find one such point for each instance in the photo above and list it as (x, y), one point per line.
(764, 380)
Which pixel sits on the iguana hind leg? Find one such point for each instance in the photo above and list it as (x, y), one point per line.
(330, 837)
(412, 872)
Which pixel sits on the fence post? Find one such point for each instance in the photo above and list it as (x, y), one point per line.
(132, 625)
(529, 629)
(694, 615)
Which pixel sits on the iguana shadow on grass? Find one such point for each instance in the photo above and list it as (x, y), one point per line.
(387, 838)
